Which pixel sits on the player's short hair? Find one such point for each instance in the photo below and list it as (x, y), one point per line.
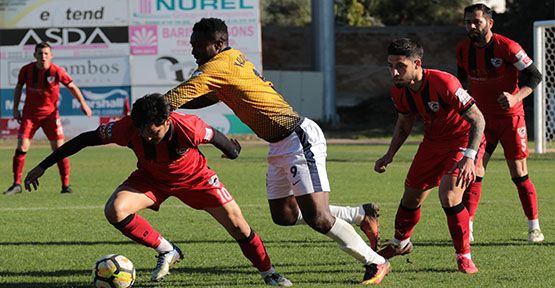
(150, 109)
(42, 45)
(486, 11)
(405, 47)
(211, 28)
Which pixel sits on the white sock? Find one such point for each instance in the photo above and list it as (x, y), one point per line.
(533, 224)
(165, 246)
(269, 272)
(400, 243)
(352, 215)
(471, 225)
(466, 255)
(349, 241)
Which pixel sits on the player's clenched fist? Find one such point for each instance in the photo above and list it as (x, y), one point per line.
(381, 163)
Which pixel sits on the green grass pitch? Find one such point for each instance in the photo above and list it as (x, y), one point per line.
(52, 240)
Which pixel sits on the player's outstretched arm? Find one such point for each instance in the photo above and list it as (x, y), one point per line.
(69, 148)
(32, 178)
(77, 94)
(201, 102)
(230, 147)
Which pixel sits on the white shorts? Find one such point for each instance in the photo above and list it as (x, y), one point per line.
(297, 164)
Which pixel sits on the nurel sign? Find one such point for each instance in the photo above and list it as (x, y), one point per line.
(188, 5)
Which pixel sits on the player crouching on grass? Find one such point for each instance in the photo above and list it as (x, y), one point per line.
(169, 164)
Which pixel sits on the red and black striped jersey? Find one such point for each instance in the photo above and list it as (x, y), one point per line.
(439, 102)
(176, 160)
(492, 70)
(42, 88)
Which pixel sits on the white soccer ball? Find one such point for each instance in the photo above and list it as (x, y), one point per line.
(113, 271)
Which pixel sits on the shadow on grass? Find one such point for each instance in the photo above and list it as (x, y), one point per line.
(428, 270)
(56, 273)
(191, 271)
(327, 268)
(500, 243)
(284, 243)
(44, 285)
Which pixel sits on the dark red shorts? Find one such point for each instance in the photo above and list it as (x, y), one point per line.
(51, 125)
(209, 193)
(432, 162)
(511, 132)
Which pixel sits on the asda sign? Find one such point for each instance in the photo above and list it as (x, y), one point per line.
(65, 36)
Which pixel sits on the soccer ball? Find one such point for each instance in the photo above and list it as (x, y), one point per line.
(113, 271)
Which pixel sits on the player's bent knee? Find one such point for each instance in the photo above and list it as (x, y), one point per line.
(284, 221)
(115, 211)
(320, 223)
(110, 213)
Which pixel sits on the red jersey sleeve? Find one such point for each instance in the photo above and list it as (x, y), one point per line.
(118, 132)
(196, 130)
(63, 76)
(456, 96)
(516, 55)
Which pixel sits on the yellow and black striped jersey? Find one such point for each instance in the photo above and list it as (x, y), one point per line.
(234, 80)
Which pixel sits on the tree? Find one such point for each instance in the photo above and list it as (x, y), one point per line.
(421, 12)
(368, 12)
(286, 12)
(356, 12)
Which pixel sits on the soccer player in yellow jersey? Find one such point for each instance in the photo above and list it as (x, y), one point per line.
(297, 182)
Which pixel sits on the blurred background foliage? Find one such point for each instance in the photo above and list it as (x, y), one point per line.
(285, 12)
(368, 13)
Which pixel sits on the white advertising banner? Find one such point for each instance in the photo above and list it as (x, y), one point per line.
(186, 13)
(140, 91)
(166, 69)
(91, 72)
(75, 125)
(72, 125)
(159, 27)
(161, 69)
(65, 41)
(62, 13)
(167, 39)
